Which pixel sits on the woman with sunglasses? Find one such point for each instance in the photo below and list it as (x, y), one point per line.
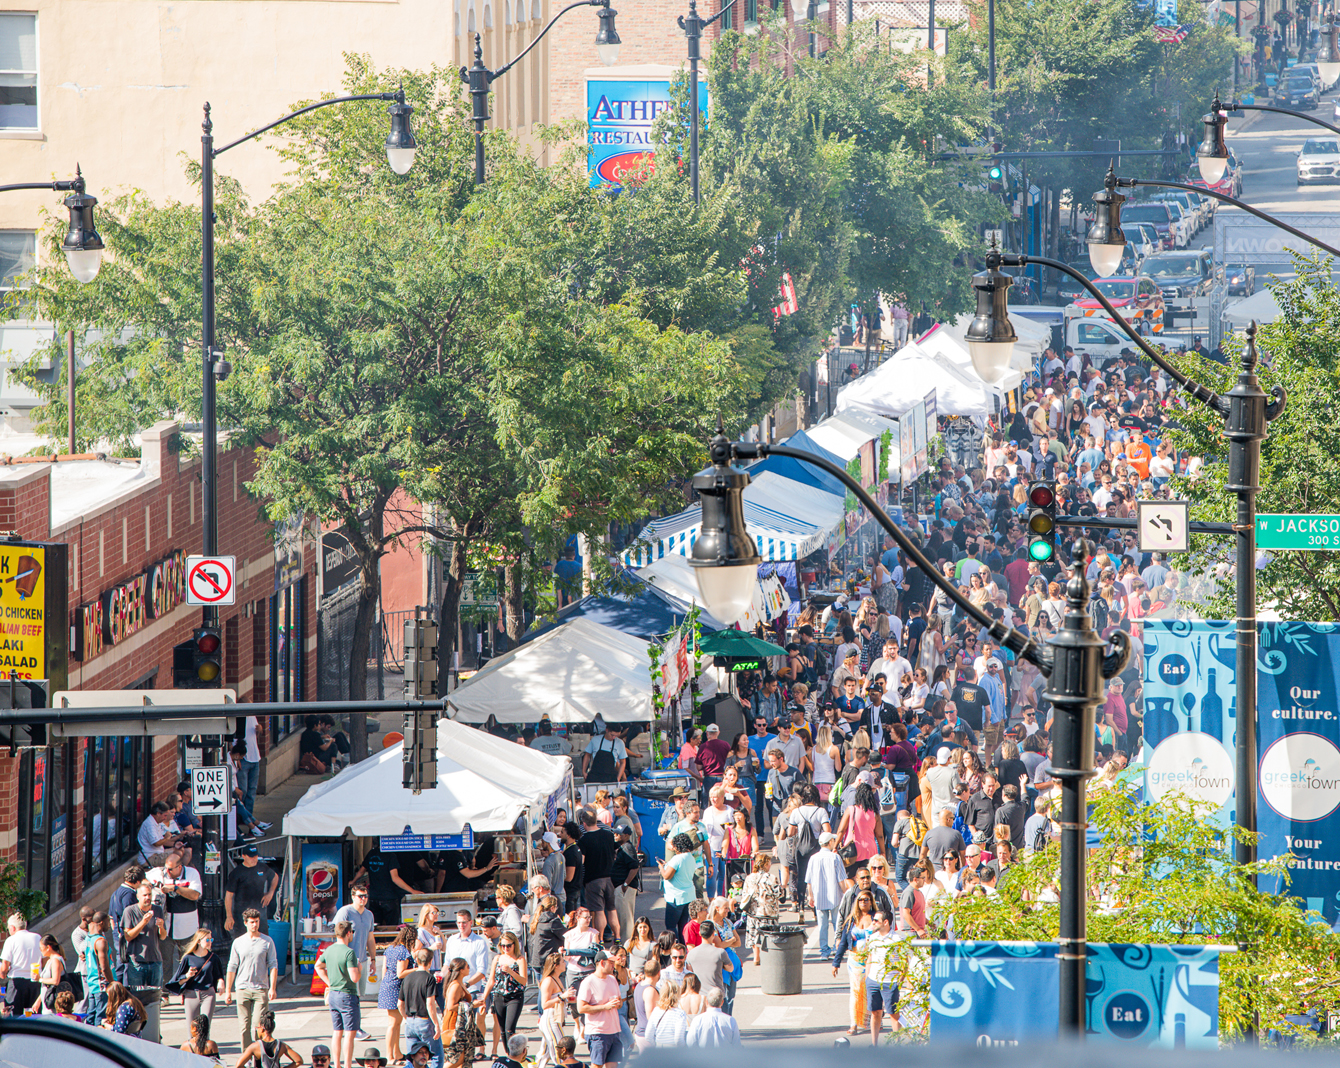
(553, 999)
(507, 985)
(860, 924)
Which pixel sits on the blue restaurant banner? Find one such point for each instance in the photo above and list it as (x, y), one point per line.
(620, 114)
(1190, 737)
(1002, 993)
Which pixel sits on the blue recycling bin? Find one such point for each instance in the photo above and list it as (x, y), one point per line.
(648, 807)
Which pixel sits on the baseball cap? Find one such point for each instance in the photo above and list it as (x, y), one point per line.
(714, 728)
(489, 921)
(603, 955)
(250, 851)
(551, 839)
(622, 828)
(943, 755)
(826, 837)
(324, 1051)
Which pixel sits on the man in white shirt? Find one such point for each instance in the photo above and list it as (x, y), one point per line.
(717, 818)
(19, 959)
(155, 835)
(249, 768)
(983, 661)
(470, 947)
(941, 779)
(182, 887)
(713, 1027)
(893, 667)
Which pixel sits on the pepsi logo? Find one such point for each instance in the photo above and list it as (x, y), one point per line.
(323, 879)
(617, 168)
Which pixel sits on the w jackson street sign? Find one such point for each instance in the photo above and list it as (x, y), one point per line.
(1298, 531)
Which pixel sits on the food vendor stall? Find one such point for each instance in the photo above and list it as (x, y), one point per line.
(492, 798)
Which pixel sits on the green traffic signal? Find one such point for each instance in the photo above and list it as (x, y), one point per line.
(1040, 549)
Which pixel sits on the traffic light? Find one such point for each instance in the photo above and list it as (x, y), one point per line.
(198, 664)
(15, 696)
(1042, 520)
(420, 659)
(419, 768)
(995, 178)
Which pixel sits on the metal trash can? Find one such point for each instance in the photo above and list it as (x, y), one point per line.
(782, 958)
(151, 998)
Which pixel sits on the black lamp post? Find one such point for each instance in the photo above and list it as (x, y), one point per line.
(693, 27)
(82, 246)
(1246, 410)
(478, 77)
(1208, 164)
(726, 562)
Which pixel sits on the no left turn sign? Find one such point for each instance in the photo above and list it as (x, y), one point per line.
(210, 580)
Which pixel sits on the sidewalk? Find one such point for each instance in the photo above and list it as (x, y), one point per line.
(813, 1018)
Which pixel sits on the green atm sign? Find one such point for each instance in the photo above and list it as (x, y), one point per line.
(1298, 532)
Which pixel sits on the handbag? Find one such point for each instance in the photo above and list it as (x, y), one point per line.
(848, 852)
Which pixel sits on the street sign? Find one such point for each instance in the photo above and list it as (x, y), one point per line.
(1298, 531)
(212, 791)
(995, 239)
(473, 595)
(210, 580)
(1162, 526)
(222, 721)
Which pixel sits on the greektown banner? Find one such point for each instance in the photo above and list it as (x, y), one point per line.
(1190, 737)
(1004, 993)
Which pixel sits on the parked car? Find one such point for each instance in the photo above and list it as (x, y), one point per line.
(1298, 92)
(1183, 227)
(1155, 212)
(1181, 276)
(1239, 278)
(1319, 160)
(1149, 236)
(1313, 72)
(1068, 290)
(1137, 300)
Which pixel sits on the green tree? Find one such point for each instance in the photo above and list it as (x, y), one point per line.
(1300, 472)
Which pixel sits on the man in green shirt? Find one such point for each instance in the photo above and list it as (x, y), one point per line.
(338, 969)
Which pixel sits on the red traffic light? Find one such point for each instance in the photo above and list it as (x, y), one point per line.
(1042, 496)
(207, 643)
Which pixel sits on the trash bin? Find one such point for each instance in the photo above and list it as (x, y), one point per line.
(150, 997)
(649, 799)
(783, 956)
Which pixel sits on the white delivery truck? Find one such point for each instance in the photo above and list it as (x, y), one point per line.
(1094, 334)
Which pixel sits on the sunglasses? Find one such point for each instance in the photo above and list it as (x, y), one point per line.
(676, 958)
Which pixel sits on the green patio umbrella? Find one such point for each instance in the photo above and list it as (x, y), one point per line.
(738, 643)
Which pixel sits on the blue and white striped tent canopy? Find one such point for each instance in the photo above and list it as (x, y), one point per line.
(778, 535)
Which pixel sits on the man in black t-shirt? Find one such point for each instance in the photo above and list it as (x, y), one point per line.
(573, 875)
(598, 849)
(970, 700)
(418, 1005)
(386, 885)
(250, 885)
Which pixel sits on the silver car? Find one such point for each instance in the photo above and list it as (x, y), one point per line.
(1319, 160)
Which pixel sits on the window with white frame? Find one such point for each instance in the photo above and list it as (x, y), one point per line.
(18, 250)
(18, 70)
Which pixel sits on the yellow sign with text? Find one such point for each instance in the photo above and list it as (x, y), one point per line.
(22, 611)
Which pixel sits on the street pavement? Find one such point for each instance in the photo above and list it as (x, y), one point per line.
(814, 1017)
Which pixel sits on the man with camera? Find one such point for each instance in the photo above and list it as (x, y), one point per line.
(177, 888)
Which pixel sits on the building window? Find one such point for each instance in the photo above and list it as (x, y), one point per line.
(18, 252)
(18, 71)
(116, 778)
(750, 11)
(45, 804)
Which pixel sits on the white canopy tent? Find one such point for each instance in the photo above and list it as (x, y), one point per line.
(1261, 307)
(570, 674)
(482, 781)
(915, 370)
(844, 432)
(781, 529)
(674, 574)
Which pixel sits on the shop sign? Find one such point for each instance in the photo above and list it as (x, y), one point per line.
(127, 608)
(620, 116)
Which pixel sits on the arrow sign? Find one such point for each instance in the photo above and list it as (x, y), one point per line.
(1162, 526)
(212, 790)
(210, 580)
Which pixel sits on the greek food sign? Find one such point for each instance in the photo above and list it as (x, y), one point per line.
(1190, 736)
(621, 111)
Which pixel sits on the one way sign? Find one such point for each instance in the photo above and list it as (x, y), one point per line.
(212, 791)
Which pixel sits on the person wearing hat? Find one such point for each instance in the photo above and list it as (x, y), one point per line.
(419, 1055)
(599, 1001)
(824, 876)
(793, 749)
(940, 780)
(712, 757)
(320, 1056)
(673, 812)
(371, 1057)
(553, 868)
(625, 875)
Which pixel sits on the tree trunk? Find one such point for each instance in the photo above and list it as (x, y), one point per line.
(513, 588)
(449, 615)
(368, 545)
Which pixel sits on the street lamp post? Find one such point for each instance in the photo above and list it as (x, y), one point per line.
(1246, 410)
(726, 562)
(478, 77)
(693, 27)
(82, 245)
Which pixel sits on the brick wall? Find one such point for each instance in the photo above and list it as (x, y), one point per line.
(118, 538)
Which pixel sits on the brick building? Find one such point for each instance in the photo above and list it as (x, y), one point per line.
(70, 813)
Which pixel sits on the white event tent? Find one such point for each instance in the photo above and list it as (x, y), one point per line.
(570, 674)
(482, 781)
(1261, 307)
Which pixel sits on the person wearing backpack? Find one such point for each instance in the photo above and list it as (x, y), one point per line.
(908, 833)
(808, 822)
(1038, 827)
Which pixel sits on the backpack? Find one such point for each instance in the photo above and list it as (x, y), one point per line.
(806, 843)
(916, 829)
(835, 794)
(1040, 839)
